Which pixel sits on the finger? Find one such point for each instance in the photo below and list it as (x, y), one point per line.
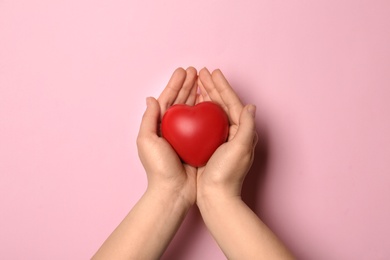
(191, 100)
(199, 99)
(169, 94)
(255, 140)
(150, 118)
(188, 85)
(203, 92)
(246, 132)
(208, 89)
(227, 94)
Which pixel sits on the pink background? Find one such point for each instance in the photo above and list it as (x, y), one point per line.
(73, 80)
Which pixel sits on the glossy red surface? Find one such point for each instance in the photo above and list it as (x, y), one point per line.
(195, 132)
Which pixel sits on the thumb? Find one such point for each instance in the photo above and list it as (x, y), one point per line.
(150, 118)
(246, 131)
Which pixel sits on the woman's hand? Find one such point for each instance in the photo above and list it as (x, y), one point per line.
(151, 224)
(235, 227)
(165, 172)
(224, 173)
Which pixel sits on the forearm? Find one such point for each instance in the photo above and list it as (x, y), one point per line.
(238, 231)
(148, 228)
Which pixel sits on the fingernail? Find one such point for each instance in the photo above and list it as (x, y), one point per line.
(252, 110)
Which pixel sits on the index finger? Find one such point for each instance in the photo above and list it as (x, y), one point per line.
(171, 91)
(228, 96)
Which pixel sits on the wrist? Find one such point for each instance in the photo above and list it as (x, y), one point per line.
(177, 199)
(210, 190)
(211, 197)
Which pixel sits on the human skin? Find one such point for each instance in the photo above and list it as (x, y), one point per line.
(151, 224)
(239, 232)
(173, 187)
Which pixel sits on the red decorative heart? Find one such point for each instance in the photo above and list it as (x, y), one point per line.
(195, 132)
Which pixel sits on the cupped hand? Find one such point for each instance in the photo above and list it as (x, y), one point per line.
(165, 171)
(225, 171)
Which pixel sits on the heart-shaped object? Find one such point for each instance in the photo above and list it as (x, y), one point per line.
(195, 132)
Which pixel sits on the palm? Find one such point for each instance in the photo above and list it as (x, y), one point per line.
(214, 87)
(181, 89)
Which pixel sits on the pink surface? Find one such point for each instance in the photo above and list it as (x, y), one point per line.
(73, 80)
